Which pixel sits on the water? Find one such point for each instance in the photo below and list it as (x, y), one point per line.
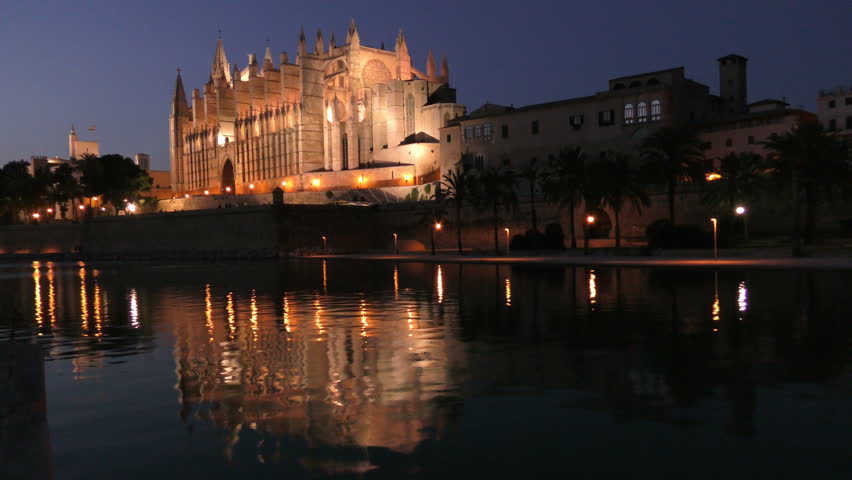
(373, 370)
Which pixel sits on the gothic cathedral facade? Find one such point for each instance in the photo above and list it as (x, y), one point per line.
(339, 116)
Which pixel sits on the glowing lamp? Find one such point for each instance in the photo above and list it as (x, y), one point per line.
(49, 210)
(206, 192)
(590, 219)
(362, 180)
(131, 208)
(228, 189)
(438, 226)
(185, 195)
(740, 210)
(315, 182)
(251, 186)
(36, 216)
(712, 176)
(407, 178)
(283, 183)
(82, 207)
(103, 209)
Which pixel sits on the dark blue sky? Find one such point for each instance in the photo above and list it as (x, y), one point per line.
(112, 63)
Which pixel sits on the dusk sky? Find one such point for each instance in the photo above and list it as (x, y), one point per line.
(112, 64)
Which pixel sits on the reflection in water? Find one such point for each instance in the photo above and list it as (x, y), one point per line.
(742, 297)
(51, 295)
(133, 300)
(84, 300)
(324, 277)
(593, 288)
(439, 285)
(39, 316)
(446, 379)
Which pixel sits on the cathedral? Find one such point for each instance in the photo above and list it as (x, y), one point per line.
(339, 116)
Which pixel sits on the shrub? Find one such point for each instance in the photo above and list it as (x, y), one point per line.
(519, 242)
(554, 238)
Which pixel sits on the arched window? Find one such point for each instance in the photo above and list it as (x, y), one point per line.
(656, 110)
(344, 151)
(409, 115)
(628, 113)
(642, 112)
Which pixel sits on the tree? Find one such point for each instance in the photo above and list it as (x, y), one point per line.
(458, 183)
(614, 183)
(20, 192)
(815, 164)
(673, 155)
(743, 178)
(564, 182)
(64, 188)
(497, 189)
(531, 173)
(114, 178)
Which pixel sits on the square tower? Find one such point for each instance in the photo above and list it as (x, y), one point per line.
(733, 84)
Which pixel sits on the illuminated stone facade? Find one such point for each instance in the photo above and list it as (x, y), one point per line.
(338, 108)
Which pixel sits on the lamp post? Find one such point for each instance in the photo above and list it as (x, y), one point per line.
(395, 247)
(324, 240)
(590, 220)
(715, 244)
(507, 240)
(741, 211)
(436, 229)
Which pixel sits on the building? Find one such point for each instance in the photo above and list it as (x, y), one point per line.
(143, 161)
(618, 118)
(338, 116)
(747, 132)
(77, 148)
(834, 110)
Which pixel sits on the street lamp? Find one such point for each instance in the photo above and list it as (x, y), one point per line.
(590, 220)
(324, 240)
(228, 189)
(507, 240)
(715, 244)
(395, 247)
(36, 216)
(741, 211)
(437, 228)
(131, 208)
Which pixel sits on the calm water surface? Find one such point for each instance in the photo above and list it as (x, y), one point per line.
(373, 370)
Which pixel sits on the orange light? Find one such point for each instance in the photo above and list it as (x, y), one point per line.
(49, 210)
(36, 216)
(185, 195)
(315, 182)
(206, 192)
(283, 183)
(590, 219)
(361, 179)
(438, 226)
(82, 207)
(251, 186)
(227, 189)
(712, 176)
(407, 178)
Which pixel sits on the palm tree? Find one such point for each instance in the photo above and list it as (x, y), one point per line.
(458, 183)
(497, 188)
(64, 188)
(531, 173)
(564, 182)
(614, 183)
(673, 155)
(743, 178)
(815, 164)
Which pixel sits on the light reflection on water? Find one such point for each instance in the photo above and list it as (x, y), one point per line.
(408, 355)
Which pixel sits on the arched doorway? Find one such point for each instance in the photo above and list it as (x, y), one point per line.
(228, 177)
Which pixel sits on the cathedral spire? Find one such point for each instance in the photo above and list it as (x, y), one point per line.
(445, 70)
(267, 59)
(430, 65)
(400, 42)
(352, 34)
(331, 44)
(179, 103)
(302, 43)
(319, 47)
(220, 65)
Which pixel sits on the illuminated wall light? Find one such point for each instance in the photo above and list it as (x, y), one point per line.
(407, 178)
(315, 182)
(185, 195)
(251, 186)
(206, 192)
(228, 189)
